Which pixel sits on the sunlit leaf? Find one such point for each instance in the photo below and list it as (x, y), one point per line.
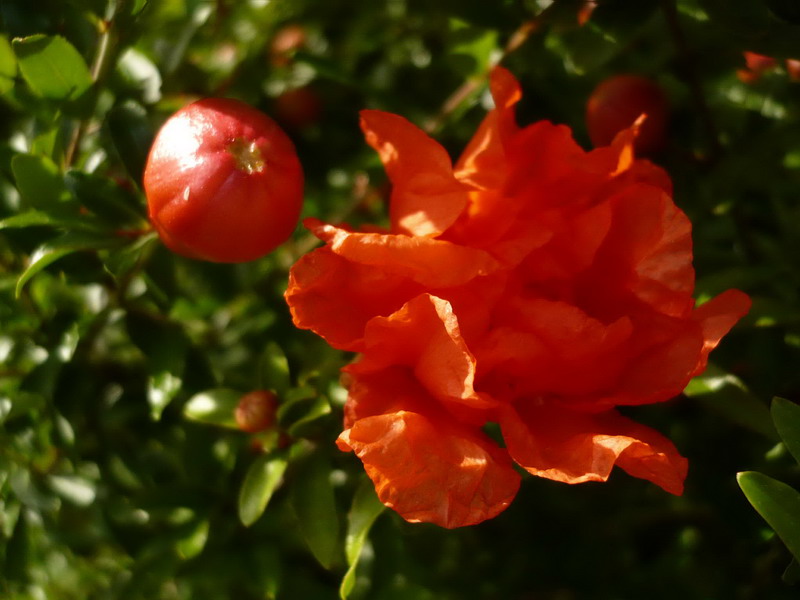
(141, 74)
(726, 394)
(8, 65)
(193, 542)
(52, 67)
(213, 407)
(60, 219)
(300, 408)
(365, 509)
(262, 479)
(77, 490)
(38, 180)
(273, 369)
(58, 248)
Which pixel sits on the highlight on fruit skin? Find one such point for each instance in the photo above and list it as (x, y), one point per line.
(223, 182)
(617, 102)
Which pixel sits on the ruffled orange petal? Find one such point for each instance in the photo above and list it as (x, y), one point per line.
(646, 257)
(424, 335)
(575, 447)
(542, 153)
(431, 472)
(575, 241)
(717, 317)
(662, 371)
(335, 298)
(426, 196)
(549, 348)
(483, 162)
(430, 262)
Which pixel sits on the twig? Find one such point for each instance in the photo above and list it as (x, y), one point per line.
(465, 90)
(687, 67)
(100, 67)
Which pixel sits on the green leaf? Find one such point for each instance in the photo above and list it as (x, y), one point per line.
(52, 67)
(139, 72)
(132, 137)
(193, 542)
(273, 370)
(365, 509)
(727, 395)
(471, 47)
(105, 199)
(791, 576)
(300, 408)
(213, 407)
(38, 179)
(120, 262)
(262, 479)
(59, 219)
(778, 503)
(165, 347)
(313, 501)
(53, 250)
(8, 65)
(77, 490)
(786, 416)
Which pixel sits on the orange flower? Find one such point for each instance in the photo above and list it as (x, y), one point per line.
(533, 285)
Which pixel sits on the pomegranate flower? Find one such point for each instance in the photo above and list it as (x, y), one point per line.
(533, 285)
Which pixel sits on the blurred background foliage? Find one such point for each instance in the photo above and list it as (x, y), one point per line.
(122, 474)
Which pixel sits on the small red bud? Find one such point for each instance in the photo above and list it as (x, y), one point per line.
(256, 411)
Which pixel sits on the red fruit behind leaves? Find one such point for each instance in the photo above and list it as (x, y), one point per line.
(285, 41)
(256, 411)
(617, 102)
(298, 108)
(223, 182)
(793, 69)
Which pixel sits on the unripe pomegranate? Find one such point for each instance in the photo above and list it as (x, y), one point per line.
(223, 182)
(617, 102)
(286, 40)
(256, 411)
(298, 108)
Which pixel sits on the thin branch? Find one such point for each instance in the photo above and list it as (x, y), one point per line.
(686, 63)
(103, 58)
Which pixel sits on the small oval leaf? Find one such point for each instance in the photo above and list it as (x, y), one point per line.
(262, 479)
(213, 407)
(365, 509)
(52, 67)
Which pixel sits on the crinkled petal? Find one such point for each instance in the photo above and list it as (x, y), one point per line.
(646, 256)
(335, 298)
(426, 196)
(575, 241)
(430, 262)
(483, 162)
(431, 472)
(575, 447)
(424, 335)
(547, 348)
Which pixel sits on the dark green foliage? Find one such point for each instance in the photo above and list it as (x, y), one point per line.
(122, 473)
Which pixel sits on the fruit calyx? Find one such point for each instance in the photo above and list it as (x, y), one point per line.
(247, 156)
